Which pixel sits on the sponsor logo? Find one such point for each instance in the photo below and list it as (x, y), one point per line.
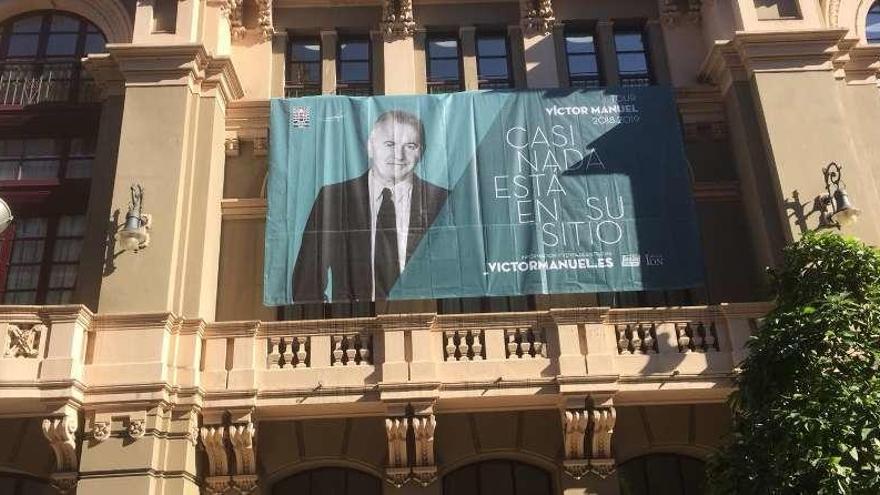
(300, 117)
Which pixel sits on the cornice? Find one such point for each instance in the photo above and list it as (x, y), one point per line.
(751, 52)
(700, 104)
(788, 51)
(243, 208)
(188, 64)
(248, 118)
(137, 321)
(861, 64)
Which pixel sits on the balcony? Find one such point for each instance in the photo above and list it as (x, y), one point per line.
(531, 359)
(26, 84)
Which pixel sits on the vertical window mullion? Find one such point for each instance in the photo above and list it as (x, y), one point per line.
(46, 262)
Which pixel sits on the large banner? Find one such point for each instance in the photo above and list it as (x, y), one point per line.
(477, 194)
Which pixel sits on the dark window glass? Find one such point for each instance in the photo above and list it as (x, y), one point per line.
(444, 64)
(45, 159)
(497, 476)
(872, 24)
(659, 474)
(40, 60)
(583, 60)
(303, 67)
(353, 75)
(40, 259)
(330, 480)
(493, 64)
(632, 58)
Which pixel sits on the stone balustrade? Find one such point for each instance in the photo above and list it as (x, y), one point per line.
(62, 352)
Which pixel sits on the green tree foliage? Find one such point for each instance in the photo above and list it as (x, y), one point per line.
(806, 415)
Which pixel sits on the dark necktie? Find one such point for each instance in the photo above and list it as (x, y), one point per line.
(386, 261)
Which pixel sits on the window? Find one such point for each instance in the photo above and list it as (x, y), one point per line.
(872, 24)
(769, 10)
(303, 67)
(40, 59)
(338, 481)
(632, 58)
(353, 74)
(662, 473)
(493, 64)
(444, 64)
(45, 159)
(40, 257)
(491, 477)
(583, 61)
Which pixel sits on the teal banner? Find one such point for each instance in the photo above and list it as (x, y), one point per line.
(477, 194)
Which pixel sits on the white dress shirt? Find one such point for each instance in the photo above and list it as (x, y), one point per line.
(401, 194)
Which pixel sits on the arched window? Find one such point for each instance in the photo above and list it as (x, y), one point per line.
(872, 24)
(335, 480)
(659, 474)
(49, 119)
(498, 476)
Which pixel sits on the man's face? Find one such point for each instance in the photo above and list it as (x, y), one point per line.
(394, 149)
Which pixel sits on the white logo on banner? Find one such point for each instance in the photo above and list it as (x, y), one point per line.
(300, 117)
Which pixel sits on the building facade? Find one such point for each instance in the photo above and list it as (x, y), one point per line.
(157, 369)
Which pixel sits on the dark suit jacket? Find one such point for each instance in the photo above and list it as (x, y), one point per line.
(337, 237)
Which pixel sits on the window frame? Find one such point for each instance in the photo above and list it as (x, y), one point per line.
(34, 65)
(591, 31)
(354, 88)
(443, 84)
(639, 30)
(492, 83)
(874, 10)
(303, 89)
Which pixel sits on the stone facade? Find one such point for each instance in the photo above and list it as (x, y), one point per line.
(166, 374)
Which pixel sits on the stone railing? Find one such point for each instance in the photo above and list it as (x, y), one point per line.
(637, 355)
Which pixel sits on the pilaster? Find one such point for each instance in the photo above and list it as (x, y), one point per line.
(172, 136)
(329, 39)
(607, 53)
(468, 37)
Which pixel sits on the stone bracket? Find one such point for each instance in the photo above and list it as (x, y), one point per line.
(420, 467)
(234, 442)
(587, 439)
(60, 431)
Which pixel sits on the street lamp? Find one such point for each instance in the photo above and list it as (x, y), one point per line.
(835, 208)
(135, 235)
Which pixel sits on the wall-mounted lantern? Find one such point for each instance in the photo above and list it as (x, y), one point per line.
(6, 217)
(835, 208)
(135, 234)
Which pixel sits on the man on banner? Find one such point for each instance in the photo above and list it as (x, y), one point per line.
(361, 232)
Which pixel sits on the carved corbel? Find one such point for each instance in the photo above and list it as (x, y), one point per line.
(424, 471)
(575, 424)
(397, 471)
(241, 436)
(537, 16)
(61, 434)
(261, 146)
(397, 19)
(602, 421)
(232, 146)
(264, 19)
(673, 12)
(218, 480)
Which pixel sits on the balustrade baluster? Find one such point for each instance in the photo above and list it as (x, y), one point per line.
(350, 351)
(287, 342)
(477, 346)
(272, 361)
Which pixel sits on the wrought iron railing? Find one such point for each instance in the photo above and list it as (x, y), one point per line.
(297, 90)
(23, 84)
(439, 87)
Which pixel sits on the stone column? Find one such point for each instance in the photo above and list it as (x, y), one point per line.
(328, 62)
(539, 54)
(607, 52)
(468, 37)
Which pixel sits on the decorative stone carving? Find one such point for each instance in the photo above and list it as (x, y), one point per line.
(537, 16)
(602, 422)
(397, 470)
(264, 19)
(424, 471)
(397, 19)
(673, 12)
(101, 431)
(261, 146)
(241, 437)
(232, 146)
(136, 428)
(193, 427)
(245, 483)
(218, 480)
(24, 341)
(61, 434)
